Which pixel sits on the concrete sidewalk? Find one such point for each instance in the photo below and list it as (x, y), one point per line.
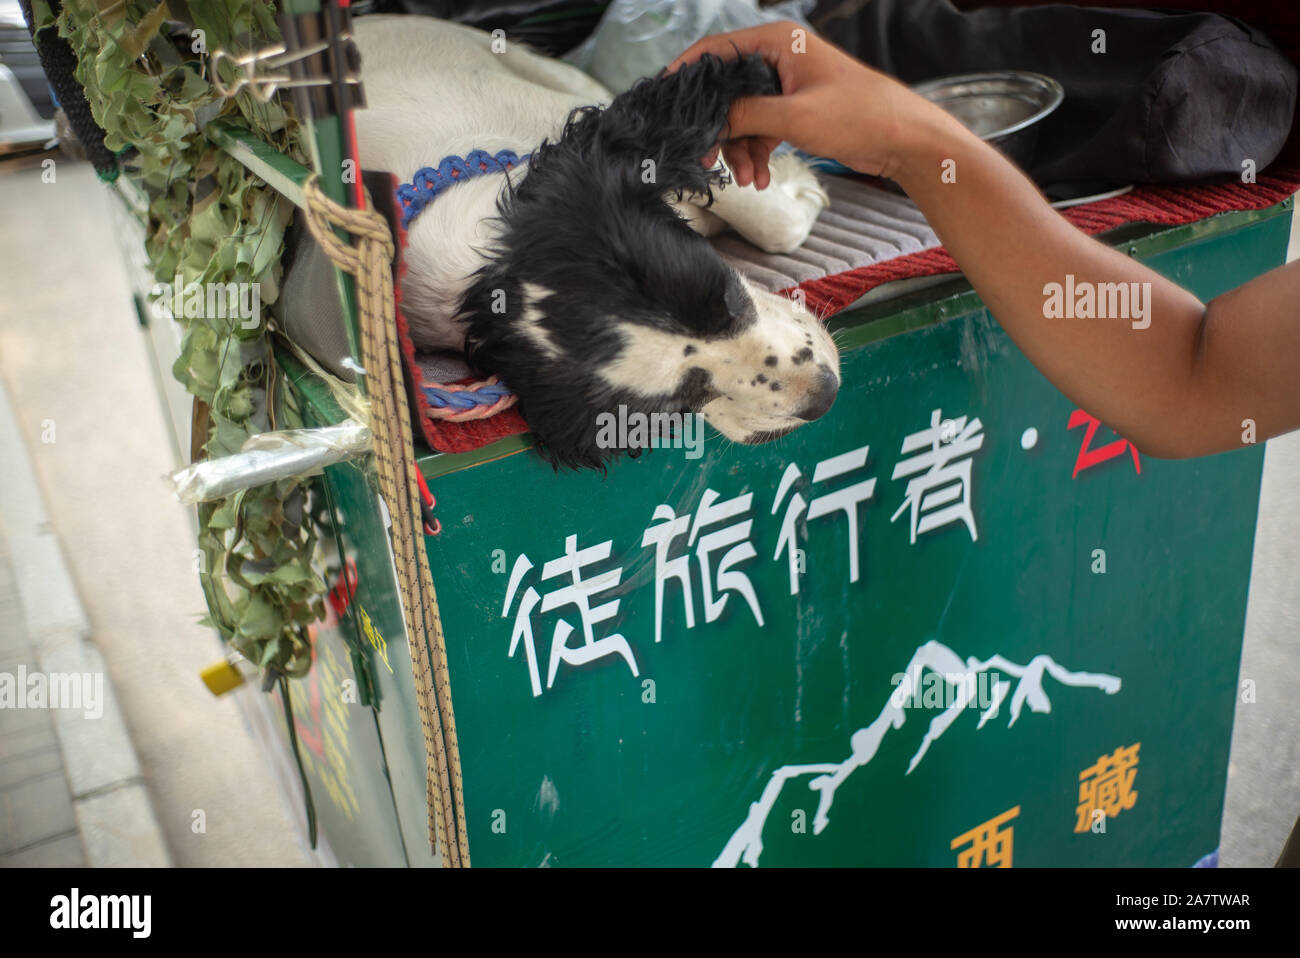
(74, 359)
(71, 791)
(1263, 797)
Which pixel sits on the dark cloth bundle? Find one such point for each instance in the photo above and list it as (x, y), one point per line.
(1174, 97)
(552, 27)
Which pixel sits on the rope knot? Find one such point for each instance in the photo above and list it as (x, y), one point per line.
(368, 226)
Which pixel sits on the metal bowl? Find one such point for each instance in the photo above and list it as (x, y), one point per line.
(1002, 108)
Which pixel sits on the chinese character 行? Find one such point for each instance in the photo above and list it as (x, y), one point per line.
(844, 500)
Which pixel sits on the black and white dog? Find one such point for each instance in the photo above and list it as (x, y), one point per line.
(582, 276)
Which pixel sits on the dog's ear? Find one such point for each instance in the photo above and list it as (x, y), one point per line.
(661, 127)
(562, 426)
(555, 397)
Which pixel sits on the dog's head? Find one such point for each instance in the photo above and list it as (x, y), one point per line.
(598, 294)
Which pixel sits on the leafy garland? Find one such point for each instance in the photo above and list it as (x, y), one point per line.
(146, 78)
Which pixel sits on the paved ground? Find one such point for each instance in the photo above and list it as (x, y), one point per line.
(71, 791)
(71, 354)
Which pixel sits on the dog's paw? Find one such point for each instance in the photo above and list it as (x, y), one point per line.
(791, 218)
(796, 179)
(779, 218)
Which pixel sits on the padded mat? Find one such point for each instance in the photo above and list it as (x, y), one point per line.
(865, 224)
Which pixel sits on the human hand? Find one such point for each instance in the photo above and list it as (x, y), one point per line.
(831, 105)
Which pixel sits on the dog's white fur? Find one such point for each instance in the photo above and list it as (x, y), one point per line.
(435, 88)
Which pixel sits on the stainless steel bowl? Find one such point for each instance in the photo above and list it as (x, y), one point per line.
(1002, 108)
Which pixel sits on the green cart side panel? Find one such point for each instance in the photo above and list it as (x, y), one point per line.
(372, 621)
(375, 612)
(719, 747)
(343, 757)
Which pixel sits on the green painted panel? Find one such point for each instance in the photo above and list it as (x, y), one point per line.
(372, 618)
(343, 757)
(590, 771)
(376, 613)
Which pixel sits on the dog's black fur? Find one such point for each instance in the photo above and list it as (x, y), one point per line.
(585, 224)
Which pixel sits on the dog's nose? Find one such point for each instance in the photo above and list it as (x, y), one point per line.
(822, 395)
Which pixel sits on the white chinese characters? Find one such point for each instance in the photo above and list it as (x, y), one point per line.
(714, 582)
(844, 499)
(577, 593)
(940, 492)
(719, 537)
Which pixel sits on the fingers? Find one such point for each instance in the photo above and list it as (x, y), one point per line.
(755, 125)
(760, 151)
(748, 161)
(765, 116)
(742, 167)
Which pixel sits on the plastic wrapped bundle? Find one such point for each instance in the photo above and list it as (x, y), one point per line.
(638, 38)
(269, 457)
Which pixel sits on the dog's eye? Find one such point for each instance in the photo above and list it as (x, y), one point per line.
(714, 313)
(734, 298)
(726, 303)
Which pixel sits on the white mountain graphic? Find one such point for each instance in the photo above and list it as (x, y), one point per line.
(746, 844)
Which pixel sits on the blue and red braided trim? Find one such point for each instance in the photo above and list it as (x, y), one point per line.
(451, 401)
(431, 180)
(460, 403)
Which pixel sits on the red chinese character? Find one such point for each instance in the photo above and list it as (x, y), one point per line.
(1090, 457)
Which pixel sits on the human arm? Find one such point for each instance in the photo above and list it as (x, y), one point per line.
(1180, 386)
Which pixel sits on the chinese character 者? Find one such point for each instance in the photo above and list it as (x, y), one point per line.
(940, 492)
